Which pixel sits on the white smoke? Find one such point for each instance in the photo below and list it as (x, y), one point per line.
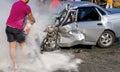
(36, 62)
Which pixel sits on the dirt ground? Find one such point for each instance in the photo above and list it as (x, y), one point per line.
(100, 60)
(97, 59)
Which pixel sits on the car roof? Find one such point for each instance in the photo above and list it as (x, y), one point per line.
(80, 3)
(75, 4)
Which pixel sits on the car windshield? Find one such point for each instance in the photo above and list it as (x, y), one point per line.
(61, 16)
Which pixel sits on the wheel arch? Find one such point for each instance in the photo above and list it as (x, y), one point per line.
(111, 31)
(103, 32)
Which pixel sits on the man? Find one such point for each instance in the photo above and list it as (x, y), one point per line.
(15, 27)
(94, 1)
(109, 4)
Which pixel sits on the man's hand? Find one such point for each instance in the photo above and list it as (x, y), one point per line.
(27, 28)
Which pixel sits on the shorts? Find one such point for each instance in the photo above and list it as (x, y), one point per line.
(14, 34)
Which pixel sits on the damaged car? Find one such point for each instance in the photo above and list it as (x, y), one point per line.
(83, 23)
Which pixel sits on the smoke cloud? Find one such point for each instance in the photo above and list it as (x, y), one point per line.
(36, 62)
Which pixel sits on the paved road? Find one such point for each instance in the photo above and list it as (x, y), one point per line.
(100, 60)
(97, 59)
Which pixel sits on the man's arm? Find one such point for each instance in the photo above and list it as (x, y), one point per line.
(31, 18)
(29, 24)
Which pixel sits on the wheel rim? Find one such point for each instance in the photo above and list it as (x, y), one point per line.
(106, 39)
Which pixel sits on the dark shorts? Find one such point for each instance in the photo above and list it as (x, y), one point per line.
(14, 34)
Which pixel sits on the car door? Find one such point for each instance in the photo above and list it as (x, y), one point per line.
(90, 23)
(69, 34)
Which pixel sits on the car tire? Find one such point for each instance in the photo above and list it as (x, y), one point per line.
(106, 39)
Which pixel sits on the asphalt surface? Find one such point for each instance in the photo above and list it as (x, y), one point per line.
(96, 59)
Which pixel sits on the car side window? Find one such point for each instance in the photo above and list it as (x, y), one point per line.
(102, 12)
(88, 14)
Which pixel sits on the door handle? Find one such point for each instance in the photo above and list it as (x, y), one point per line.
(99, 24)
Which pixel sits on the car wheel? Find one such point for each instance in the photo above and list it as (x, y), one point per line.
(106, 39)
(49, 44)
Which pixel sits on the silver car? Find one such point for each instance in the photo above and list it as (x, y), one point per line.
(87, 23)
